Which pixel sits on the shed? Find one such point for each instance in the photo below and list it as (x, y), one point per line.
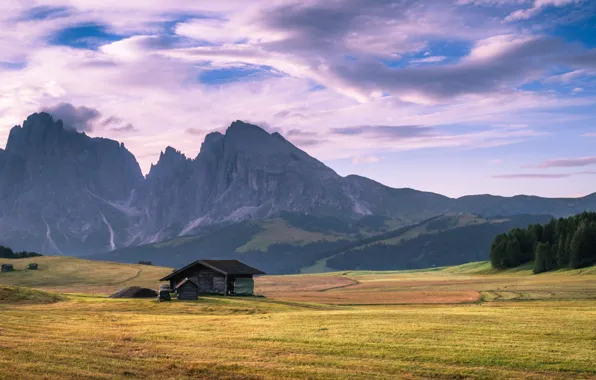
(226, 277)
(32, 266)
(187, 290)
(7, 268)
(145, 262)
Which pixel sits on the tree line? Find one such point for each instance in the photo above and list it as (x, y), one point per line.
(561, 243)
(7, 253)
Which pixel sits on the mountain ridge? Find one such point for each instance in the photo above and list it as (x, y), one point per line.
(65, 192)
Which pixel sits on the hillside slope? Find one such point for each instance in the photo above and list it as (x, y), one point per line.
(295, 243)
(443, 241)
(277, 245)
(73, 275)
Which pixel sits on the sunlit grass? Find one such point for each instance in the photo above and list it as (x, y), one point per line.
(511, 325)
(91, 337)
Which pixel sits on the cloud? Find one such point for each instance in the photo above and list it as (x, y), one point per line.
(524, 14)
(577, 90)
(566, 163)
(569, 77)
(434, 59)
(382, 132)
(126, 128)
(195, 131)
(541, 175)
(365, 160)
(591, 134)
(78, 118)
(150, 76)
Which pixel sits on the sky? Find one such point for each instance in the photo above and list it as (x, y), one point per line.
(456, 97)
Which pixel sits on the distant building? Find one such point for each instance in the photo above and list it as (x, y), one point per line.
(187, 290)
(32, 266)
(226, 277)
(7, 268)
(145, 262)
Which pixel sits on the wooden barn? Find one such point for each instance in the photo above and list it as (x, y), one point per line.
(187, 290)
(226, 277)
(7, 268)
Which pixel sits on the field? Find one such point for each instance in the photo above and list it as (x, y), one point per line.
(452, 323)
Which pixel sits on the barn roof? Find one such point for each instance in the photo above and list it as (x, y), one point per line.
(226, 267)
(185, 281)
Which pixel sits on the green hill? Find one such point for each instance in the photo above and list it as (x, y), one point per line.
(441, 241)
(294, 243)
(279, 245)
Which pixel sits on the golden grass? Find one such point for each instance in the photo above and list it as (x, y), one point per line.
(463, 284)
(93, 338)
(336, 334)
(72, 275)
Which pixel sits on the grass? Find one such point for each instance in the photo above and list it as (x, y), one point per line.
(91, 338)
(18, 295)
(278, 231)
(328, 326)
(70, 275)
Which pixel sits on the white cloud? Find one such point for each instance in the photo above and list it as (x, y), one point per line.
(524, 14)
(151, 83)
(433, 59)
(357, 160)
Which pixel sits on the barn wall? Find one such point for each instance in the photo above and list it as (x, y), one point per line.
(187, 292)
(209, 281)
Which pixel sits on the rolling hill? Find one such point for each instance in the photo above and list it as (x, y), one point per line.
(294, 243)
(73, 275)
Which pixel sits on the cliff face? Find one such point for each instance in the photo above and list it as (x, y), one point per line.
(55, 184)
(64, 192)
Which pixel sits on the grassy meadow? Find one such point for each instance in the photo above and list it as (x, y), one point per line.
(447, 323)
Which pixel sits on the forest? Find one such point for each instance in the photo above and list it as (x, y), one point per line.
(7, 253)
(561, 243)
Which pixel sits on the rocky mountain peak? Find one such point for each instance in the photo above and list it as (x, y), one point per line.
(170, 161)
(39, 133)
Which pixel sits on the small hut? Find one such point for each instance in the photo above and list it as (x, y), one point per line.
(225, 277)
(187, 290)
(145, 262)
(7, 268)
(32, 266)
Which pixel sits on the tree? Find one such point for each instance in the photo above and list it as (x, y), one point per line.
(583, 246)
(498, 252)
(562, 253)
(566, 242)
(513, 252)
(548, 233)
(534, 233)
(544, 260)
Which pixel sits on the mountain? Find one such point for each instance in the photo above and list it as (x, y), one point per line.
(294, 243)
(62, 191)
(52, 182)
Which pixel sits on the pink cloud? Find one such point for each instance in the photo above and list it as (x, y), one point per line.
(566, 163)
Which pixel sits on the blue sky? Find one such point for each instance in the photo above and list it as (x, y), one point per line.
(456, 97)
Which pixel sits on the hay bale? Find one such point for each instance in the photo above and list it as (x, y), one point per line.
(135, 292)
